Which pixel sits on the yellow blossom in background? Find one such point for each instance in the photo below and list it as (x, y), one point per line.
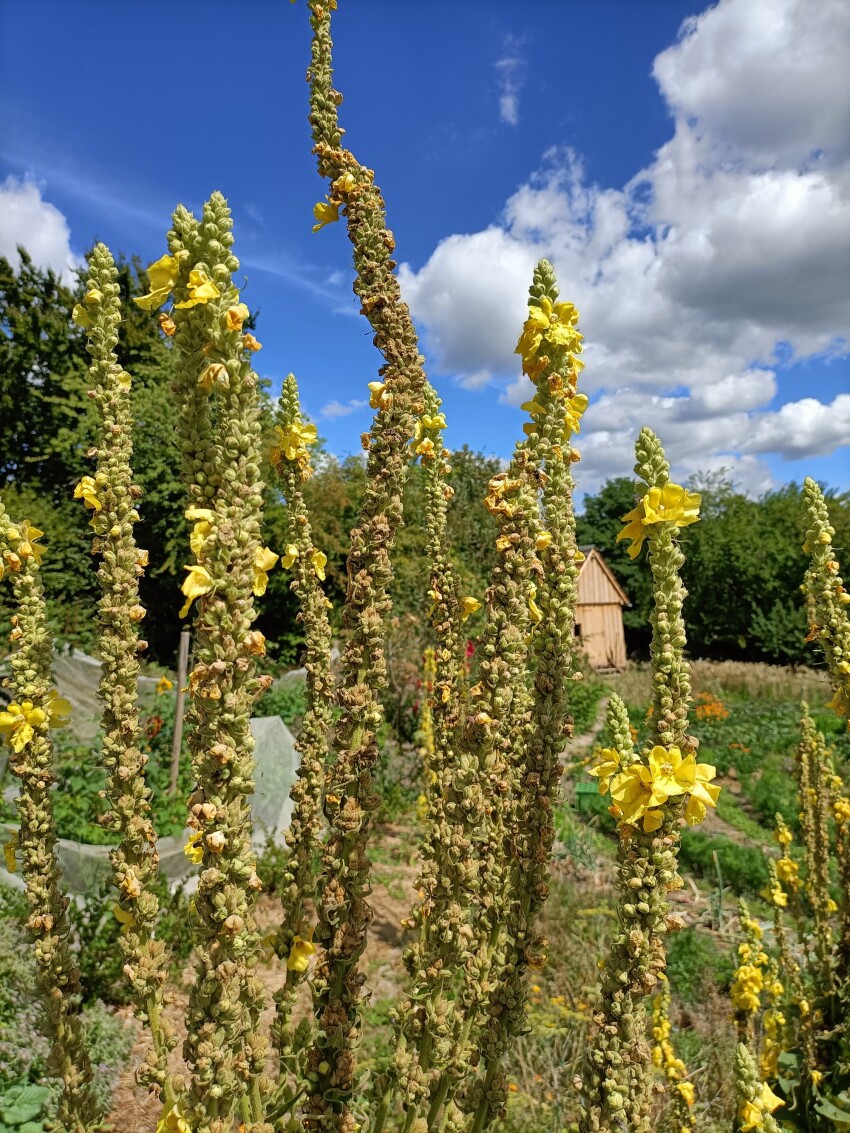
(196, 583)
(468, 606)
(193, 849)
(162, 275)
(250, 343)
(319, 560)
(607, 765)
(236, 316)
(787, 871)
(86, 491)
(298, 959)
(163, 685)
(295, 438)
(289, 556)
(746, 988)
(670, 504)
(422, 807)
(325, 212)
(201, 289)
(167, 325)
(533, 609)
(58, 710)
(264, 560)
(10, 849)
(543, 540)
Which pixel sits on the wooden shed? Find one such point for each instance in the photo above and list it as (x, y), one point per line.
(599, 613)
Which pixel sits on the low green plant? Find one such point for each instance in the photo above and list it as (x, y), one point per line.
(742, 867)
(696, 964)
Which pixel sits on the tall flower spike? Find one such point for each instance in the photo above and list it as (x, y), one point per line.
(651, 797)
(813, 787)
(345, 874)
(555, 409)
(135, 861)
(221, 447)
(827, 599)
(298, 883)
(680, 1089)
(423, 1024)
(31, 760)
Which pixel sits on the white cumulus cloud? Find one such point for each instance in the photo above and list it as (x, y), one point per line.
(510, 76)
(340, 409)
(27, 219)
(722, 259)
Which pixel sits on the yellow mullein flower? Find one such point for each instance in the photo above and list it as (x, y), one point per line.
(264, 560)
(86, 491)
(425, 423)
(58, 710)
(124, 918)
(250, 343)
(20, 722)
(635, 791)
(298, 959)
(670, 504)
(746, 988)
(162, 275)
(543, 540)
(787, 871)
(214, 375)
(575, 407)
(197, 583)
(236, 316)
(425, 449)
(671, 773)
(319, 560)
(468, 607)
(608, 764)
(81, 317)
(325, 212)
(201, 289)
(172, 1121)
(703, 793)
(93, 297)
(167, 325)
(289, 556)
(533, 609)
(294, 439)
(379, 398)
(194, 849)
(553, 322)
(163, 685)
(28, 548)
(10, 849)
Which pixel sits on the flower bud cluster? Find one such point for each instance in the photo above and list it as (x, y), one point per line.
(298, 883)
(827, 599)
(219, 432)
(27, 721)
(344, 911)
(112, 496)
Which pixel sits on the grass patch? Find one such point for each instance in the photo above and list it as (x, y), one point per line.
(742, 867)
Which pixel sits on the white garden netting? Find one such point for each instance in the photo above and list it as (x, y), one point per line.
(84, 866)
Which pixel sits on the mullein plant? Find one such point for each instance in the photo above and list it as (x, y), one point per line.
(652, 793)
(26, 723)
(293, 941)
(111, 496)
(343, 910)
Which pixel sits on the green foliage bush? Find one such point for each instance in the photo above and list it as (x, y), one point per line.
(694, 961)
(742, 867)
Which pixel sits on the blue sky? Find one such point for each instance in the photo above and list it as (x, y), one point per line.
(698, 218)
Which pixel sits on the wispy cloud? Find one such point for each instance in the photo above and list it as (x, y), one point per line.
(510, 76)
(338, 409)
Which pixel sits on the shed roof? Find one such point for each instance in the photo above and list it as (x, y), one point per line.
(592, 555)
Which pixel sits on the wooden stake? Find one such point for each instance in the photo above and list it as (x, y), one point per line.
(182, 677)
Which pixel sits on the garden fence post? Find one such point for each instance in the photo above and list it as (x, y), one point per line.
(182, 677)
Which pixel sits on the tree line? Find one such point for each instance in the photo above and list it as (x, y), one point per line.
(744, 565)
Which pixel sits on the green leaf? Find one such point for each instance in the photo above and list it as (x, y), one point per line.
(829, 1109)
(26, 1105)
